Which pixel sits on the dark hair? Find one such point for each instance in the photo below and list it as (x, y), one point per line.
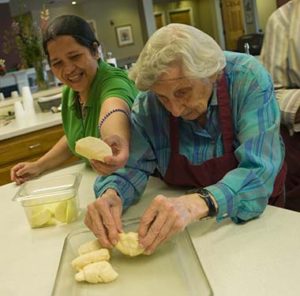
(70, 25)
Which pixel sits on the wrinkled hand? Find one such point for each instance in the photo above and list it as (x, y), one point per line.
(24, 171)
(103, 218)
(120, 149)
(164, 218)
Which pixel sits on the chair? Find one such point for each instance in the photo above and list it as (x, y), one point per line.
(254, 41)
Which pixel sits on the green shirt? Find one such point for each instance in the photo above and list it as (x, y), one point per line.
(108, 82)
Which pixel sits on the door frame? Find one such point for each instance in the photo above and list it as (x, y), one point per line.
(220, 27)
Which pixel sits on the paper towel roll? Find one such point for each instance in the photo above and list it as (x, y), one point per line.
(28, 101)
(19, 112)
(26, 94)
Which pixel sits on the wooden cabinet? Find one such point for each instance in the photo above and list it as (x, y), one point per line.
(27, 147)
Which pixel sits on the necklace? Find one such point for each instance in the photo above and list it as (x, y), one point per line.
(81, 102)
(81, 106)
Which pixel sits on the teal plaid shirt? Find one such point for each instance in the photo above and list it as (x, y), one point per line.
(242, 193)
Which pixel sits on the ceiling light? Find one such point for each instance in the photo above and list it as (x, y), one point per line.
(74, 2)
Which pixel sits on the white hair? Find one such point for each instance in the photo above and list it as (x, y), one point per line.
(198, 54)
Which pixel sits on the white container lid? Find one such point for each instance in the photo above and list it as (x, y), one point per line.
(48, 189)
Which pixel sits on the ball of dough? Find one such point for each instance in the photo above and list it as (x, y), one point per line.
(128, 244)
(93, 148)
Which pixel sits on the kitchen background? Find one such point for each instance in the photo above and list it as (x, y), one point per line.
(122, 27)
(108, 15)
(225, 20)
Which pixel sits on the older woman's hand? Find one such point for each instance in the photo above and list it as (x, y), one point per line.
(168, 216)
(120, 149)
(103, 218)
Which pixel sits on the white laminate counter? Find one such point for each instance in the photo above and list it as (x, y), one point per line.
(35, 123)
(258, 258)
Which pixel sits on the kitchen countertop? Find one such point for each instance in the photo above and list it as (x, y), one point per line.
(39, 121)
(260, 257)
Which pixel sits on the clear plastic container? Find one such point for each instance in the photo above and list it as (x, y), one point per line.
(173, 269)
(49, 201)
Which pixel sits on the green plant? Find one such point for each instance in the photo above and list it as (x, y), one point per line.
(27, 38)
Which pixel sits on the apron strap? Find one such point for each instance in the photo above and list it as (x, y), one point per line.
(225, 114)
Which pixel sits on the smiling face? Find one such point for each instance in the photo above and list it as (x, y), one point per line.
(183, 96)
(72, 63)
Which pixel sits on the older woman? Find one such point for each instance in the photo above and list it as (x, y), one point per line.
(207, 120)
(95, 94)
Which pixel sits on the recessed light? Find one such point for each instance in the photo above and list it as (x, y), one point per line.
(74, 2)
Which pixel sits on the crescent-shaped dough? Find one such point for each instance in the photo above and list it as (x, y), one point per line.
(99, 272)
(91, 257)
(89, 246)
(93, 148)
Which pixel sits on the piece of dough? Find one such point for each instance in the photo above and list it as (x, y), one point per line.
(66, 211)
(40, 216)
(91, 257)
(99, 272)
(128, 244)
(89, 246)
(93, 148)
(72, 210)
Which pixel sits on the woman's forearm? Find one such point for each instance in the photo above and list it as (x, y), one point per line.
(117, 123)
(59, 153)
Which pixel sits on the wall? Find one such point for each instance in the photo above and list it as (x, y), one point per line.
(207, 18)
(110, 14)
(204, 15)
(265, 9)
(107, 15)
(165, 7)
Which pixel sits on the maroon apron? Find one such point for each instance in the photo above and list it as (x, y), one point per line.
(292, 181)
(181, 172)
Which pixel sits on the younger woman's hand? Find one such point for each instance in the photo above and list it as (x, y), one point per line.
(24, 171)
